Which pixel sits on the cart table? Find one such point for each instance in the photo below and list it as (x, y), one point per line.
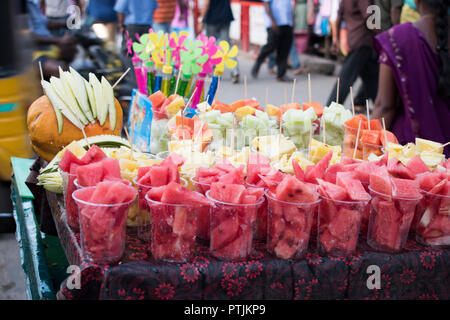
(417, 272)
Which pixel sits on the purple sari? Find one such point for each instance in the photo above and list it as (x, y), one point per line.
(414, 66)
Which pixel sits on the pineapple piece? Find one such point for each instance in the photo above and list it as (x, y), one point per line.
(301, 159)
(409, 151)
(128, 165)
(320, 149)
(75, 148)
(244, 111)
(272, 111)
(175, 106)
(427, 145)
(432, 159)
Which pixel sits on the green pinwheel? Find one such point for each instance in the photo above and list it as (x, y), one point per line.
(192, 59)
(148, 45)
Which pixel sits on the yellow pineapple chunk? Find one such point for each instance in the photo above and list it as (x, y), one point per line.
(244, 111)
(427, 145)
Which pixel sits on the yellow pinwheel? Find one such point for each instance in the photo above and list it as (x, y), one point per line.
(227, 56)
(156, 46)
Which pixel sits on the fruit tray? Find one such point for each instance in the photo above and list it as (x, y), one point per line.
(417, 272)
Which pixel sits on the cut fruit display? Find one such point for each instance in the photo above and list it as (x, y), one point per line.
(103, 212)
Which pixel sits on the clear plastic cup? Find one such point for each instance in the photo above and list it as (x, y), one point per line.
(203, 213)
(143, 218)
(103, 228)
(232, 228)
(289, 227)
(69, 204)
(390, 221)
(339, 226)
(260, 232)
(433, 221)
(79, 186)
(163, 155)
(174, 230)
(368, 149)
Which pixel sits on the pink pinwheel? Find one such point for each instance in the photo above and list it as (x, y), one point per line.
(176, 43)
(209, 47)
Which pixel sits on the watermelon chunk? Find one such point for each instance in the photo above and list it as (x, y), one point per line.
(175, 193)
(380, 181)
(67, 159)
(228, 193)
(399, 170)
(332, 191)
(158, 176)
(385, 229)
(298, 171)
(89, 175)
(330, 174)
(94, 154)
(318, 171)
(225, 232)
(405, 188)
(417, 166)
(293, 190)
(355, 189)
(362, 172)
(235, 176)
(431, 181)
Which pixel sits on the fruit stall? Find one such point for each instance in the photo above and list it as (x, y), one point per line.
(197, 199)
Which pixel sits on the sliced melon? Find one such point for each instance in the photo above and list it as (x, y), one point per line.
(69, 97)
(79, 90)
(108, 97)
(54, 99)
(91, 97)
(99, 101)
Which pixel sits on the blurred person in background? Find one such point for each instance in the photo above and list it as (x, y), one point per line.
(57, 11)
(390, 12)
(51, 51)
(216, 17)
(361, 60)
(135, 17)
(414, 82)
(101, 14)
(180, 21)
(279, 22)
(165, 13)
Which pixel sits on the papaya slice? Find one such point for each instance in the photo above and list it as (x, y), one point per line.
(318, 108)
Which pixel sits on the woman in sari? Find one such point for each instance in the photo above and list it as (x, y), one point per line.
(414, 81)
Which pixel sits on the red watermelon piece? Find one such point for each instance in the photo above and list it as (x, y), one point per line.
(417, 166)
(94, 154)
(318, 171)
(225, 232)
(431, 181)
(398, 170)
(355, 189)
(158, 176)
(298, 171)
(235, 176)
(332, 191)
(293, 190)
(330, 174)
(362, 172)
(228, 193)
(111, 169)
(67, 159)
(385, 230)
(405, 188)
(156, 193)
(175, 193)
(380, 181)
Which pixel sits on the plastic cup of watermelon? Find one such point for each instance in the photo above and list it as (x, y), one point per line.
(69, 204)
(173, 231)
(260, 231)
(390, 221)
(143, 218)
(103, 228)
(289, 227)
(368, 149)
(79, 186)
(203, 212)
(433, 220)
(232, 229)
(339, 226)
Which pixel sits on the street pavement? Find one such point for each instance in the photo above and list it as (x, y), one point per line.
(12, 280)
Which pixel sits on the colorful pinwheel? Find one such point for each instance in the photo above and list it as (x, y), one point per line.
(192, 59)
(226, 54)
(176, 44)
(209, 47)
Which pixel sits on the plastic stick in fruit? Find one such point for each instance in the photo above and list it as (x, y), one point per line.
(368, 114)
(436, 149)
(337, 91)
(357, 139)
(293, 91)
(309, 87)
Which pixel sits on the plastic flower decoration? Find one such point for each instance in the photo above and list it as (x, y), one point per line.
(226, 54)
(209, 47)
(176, 44)
(192, 59)
(148, 44)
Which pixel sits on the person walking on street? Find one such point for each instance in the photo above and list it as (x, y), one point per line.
(279, 22)
(362, 58)
(215, 18)
(163, 16)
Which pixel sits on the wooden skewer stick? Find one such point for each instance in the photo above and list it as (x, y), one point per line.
(233, 134)
(357, 140)
(309, 87)
(245, 86)
(443, 146)
(182, 112)
(293, 91)
(337, 91)
(40, 70)
(385, 134)
(324, 132)
(353, 102)
(129, 140)
(267, 96)
(368, 113)
(121, 77)
(85, 137)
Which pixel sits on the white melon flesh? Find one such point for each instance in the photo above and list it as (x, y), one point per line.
(91, 97)
(69, 97)
(108, 96)
(99, 101)
(79, 90)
